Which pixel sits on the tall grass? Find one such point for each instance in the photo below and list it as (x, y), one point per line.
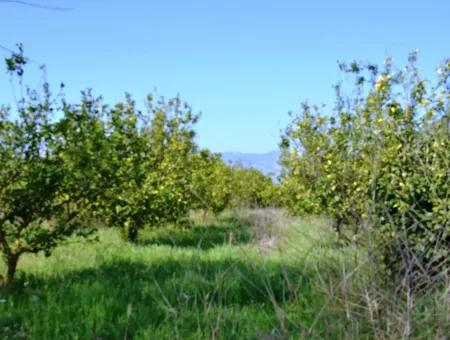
(215, 280)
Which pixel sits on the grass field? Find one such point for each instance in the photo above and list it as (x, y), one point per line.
(230, 278)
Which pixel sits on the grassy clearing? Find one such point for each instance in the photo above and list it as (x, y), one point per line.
(217, 281)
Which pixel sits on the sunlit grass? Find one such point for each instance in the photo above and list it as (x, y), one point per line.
(194, 283)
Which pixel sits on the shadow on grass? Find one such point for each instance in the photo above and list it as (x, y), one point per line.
(227, 230)
(162, 299)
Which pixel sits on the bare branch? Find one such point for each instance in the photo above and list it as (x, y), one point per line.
(32, 4)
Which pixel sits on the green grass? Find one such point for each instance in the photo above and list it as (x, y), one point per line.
(205, 282)
(226, 230)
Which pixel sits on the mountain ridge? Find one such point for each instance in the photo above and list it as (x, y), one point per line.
(266, 162)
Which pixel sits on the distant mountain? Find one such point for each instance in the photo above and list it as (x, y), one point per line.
(267, 163)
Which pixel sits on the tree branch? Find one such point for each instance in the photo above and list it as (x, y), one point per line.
(32, 4)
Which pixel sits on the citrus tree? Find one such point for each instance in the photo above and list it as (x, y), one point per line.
(252, 189)
(150, 164)
(46, 179)
(217, 186)
(378, 163)
(212, 182)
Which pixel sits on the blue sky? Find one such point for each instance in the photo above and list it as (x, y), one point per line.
(243, 64)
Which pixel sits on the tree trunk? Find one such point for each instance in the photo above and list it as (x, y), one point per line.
(337, 227)
(11, 263)
(132, 233)
(12, 266)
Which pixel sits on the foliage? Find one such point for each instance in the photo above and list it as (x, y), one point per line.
(252, 189)
(149, 164)
(46, 184)
(66, 164)
(63, 164)
(212, 182)
(218, 186)
(379, 163)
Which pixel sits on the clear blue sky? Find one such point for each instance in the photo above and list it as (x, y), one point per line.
(243, 64)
